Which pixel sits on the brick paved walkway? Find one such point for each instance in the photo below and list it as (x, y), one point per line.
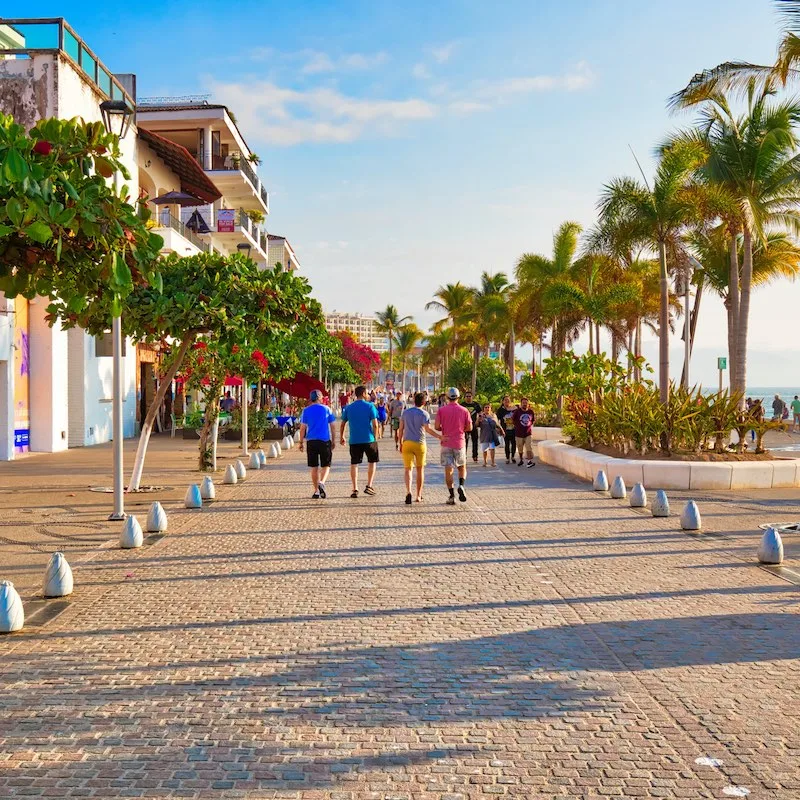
(539, 641)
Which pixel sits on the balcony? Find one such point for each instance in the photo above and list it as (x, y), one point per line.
(230, 228)
(177, 237)
(235, 178)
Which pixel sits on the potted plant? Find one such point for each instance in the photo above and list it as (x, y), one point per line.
(192, 423)
(253, 158)
(256, 216)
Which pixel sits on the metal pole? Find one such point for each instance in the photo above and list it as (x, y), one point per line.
(687, 351)
(720, 381)
(320, 366)
(119, 488)
(245, 404)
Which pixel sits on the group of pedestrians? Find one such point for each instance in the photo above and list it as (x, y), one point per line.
(361, 428)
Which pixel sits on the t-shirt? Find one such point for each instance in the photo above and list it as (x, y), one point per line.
(474, 409)
(414, 421)
(317, 417)
(397, 407)
(795, 406)
(359, 415)
(523, 422)
(453, 419)
(505, 416)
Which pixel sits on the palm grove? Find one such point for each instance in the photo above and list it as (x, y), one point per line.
(719, 215)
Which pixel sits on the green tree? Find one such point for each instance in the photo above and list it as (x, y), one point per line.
(406, 339)
(454, 300)
(389, 322)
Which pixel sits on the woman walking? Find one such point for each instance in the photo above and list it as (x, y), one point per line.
(489, 433)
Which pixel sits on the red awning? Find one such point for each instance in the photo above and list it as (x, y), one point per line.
(301, 385)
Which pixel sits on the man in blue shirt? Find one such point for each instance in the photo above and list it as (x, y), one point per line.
(316, 427)
(363, 419)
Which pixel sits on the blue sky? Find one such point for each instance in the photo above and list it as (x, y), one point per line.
(407, 145)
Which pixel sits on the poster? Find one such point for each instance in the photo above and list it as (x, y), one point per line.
(22, 425)
(226, 220)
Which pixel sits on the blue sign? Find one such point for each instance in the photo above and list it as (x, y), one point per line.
(22, 437)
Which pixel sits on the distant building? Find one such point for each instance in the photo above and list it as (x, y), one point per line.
(281, 252)
(363, 327)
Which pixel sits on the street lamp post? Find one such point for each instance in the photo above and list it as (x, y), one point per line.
(117, 118)
(245, 249)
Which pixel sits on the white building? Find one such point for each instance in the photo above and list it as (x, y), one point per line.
(363, 327)
(281, 252)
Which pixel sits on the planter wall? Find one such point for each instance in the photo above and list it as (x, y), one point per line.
(679, 475)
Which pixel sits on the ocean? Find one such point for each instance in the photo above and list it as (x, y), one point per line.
(767, 394)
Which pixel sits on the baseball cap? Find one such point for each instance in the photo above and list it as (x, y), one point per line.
(453, 393)
(316, 394)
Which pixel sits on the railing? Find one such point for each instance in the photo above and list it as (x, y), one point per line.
(53, 35)
(249, 172)
(166, 220)
(244, 221)
(265, 196)
(260, 236)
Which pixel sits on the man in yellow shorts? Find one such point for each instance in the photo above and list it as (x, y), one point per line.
(414, 424)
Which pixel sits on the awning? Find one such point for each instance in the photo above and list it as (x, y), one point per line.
(301, 385)
(193, 179)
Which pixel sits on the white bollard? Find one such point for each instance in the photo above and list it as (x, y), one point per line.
(297, 437)
(638, 496)
(12, 615)
(285, 443)
(230, 476)
(156, 518)
(271, 452)
(255, 461)
(660, 504)
(207, 489)
(276, 449)
(262, 458)
(600, 483)
(241, 472)
(131, 535)
(193, 498)
(618, 489)
(770, 550)
(58, 577)
(690, 518)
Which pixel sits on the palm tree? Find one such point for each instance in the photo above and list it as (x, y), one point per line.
(389, 321)
(658, 217)
(454, 300)
(437, 348)
(491, 320)
(406, 339)
(535, 272)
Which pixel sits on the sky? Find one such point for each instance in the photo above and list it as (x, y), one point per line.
(409, 145)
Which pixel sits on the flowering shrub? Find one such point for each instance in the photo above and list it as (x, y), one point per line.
(364, 360)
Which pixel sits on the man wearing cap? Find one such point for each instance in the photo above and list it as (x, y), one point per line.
(316, 427)
(362, 418)
(454, 421)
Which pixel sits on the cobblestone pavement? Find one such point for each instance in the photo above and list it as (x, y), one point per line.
(539, 641)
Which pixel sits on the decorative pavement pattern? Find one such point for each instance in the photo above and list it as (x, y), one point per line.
(539, 641)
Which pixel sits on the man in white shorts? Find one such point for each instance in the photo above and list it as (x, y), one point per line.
(454, 421)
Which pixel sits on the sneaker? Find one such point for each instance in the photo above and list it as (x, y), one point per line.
(514, 460)
(369, 490)
(521, 463)
(408, 499)
(315, 496)
(508, 461)
(451, 501)
(354, 494)
(321, 489)
(531, 464)
(462, 495)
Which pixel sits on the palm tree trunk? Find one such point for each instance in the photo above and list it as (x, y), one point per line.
(512, 346)
(476, 354)
(391, 351)
(210, 417)
(591, 338)
(663, 325)
(744, 314)
(597, 338)
(733, 312)
(698, 296)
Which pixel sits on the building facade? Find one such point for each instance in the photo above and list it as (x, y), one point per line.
(362, 326)
(281, 252)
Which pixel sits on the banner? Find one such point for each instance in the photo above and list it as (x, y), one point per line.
(226, 220)
(22, 371)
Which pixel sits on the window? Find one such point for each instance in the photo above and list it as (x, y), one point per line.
(104, 346)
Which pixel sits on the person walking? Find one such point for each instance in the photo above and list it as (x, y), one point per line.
(362, 417)
(505, 416)
(414, 424)
(489, 433)
(778, 407)
(796, 414)
(474, 409)
(396, 409)
(316, 428)
(454, 421)
(523, 431)
(381, 415)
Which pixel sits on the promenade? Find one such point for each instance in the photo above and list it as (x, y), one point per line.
(539, 641)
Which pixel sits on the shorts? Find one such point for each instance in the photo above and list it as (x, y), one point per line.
(368, 449)
(395, 423)
(318, 453)
(414, 454)
(453, 457)
(487, 446)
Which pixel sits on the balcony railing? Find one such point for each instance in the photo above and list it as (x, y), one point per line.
(264, 196)
(166, 220)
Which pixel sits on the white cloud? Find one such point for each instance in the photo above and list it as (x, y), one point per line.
(469, 107)
(281, 116)
(580, 77)
(443, 53)
(318, 62)
(421, 71)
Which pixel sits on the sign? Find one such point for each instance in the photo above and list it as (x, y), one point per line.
(722, 362)
(22, 425)
(226, 220)
(494, 355)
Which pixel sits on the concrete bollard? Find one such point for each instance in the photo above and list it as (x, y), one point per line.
(255, 461)
(131, 536)
(690, 518)
(600, 483)
(660, 504)
(12, 615)
(618, 489)
(193, 498)
(241, 472)
(207, 489)
(276, 448)
(638, 496)
(156, 518)
(262, 458)
(271, 452)
(297, 437)
(230, 476)
(770, 550)
(285, 443)
(57, 577)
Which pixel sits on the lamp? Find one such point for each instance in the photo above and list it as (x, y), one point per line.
(117, 116)
(244, 249)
